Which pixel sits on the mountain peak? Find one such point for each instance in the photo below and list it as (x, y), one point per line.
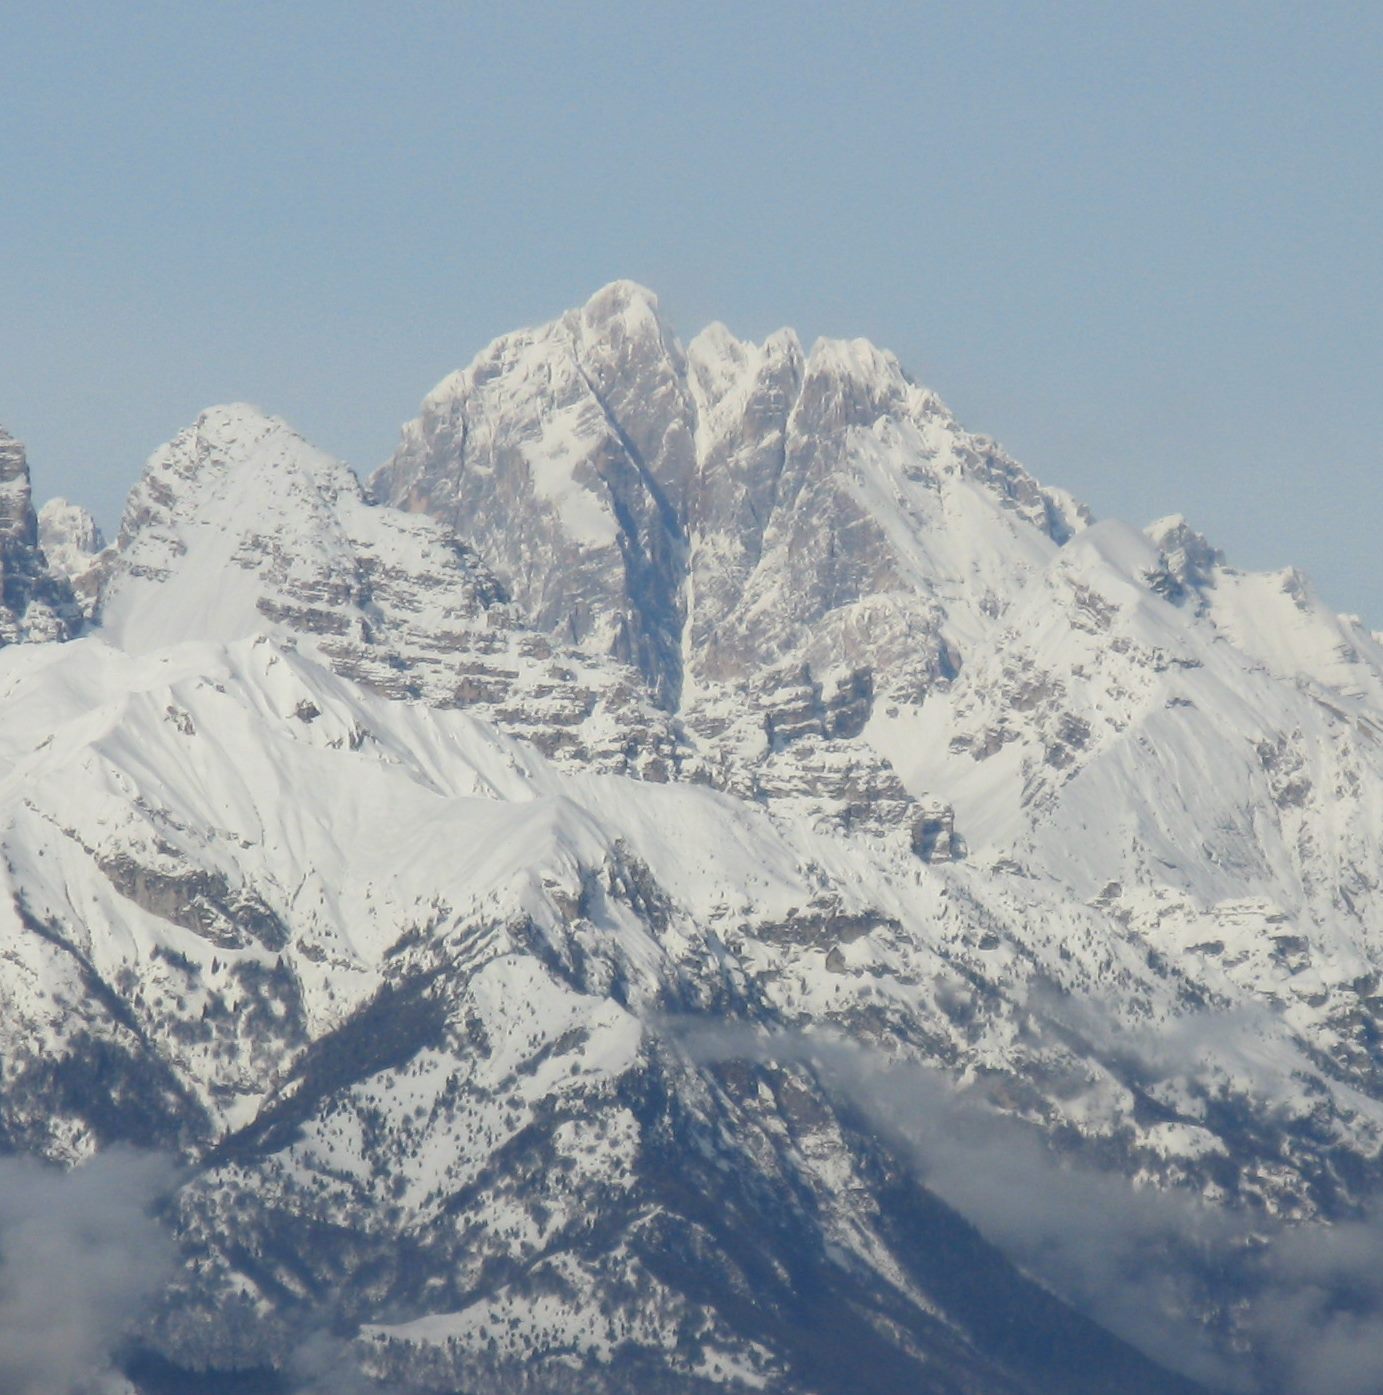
(34, 604)
(17, 525)
(69, 534)
(14, 463)
(622, 298)
(1190, 557)
(239, 525)
(236, 422)
(858, 359)
(232, 438)
(719, 363)
(626, 350)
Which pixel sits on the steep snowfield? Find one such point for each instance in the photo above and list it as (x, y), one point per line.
(426, 878)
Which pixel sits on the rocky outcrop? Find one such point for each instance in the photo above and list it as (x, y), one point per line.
(933, 833)
(35, 603)
(75, 548)
(564, 456)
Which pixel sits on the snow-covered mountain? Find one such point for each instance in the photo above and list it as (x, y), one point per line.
(704, 876)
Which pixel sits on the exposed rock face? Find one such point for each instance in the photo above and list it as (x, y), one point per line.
(73, 545)
(858, 477)
(68, 535)
(744, 394)
(239, 527)
(34, 603)
(741, 522)
(1190, 560)
(934, 833)
(737, 507)
(564, 456)
(295, 542)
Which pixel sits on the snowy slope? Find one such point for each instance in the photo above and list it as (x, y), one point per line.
(420, 999)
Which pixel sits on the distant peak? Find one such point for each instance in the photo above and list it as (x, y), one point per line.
(784, 341)
(231, 440)
(618, 312)
(237, 421)
(14, 464)
(62, 523)
(857, 359)
(1190, 556)
(11, 448)
(717, 341)
(1173, 522)
(618, 298)
(228, 435)
(619, 315)
(720, 362)
(716, 338)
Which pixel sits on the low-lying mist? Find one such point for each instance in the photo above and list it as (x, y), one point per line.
(1146, 1263)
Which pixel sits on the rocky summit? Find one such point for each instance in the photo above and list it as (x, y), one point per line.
(702, 875)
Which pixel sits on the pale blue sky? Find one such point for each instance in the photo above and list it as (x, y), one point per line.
(1139, 243)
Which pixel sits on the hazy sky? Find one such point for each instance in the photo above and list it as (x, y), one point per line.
(1140, 244)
